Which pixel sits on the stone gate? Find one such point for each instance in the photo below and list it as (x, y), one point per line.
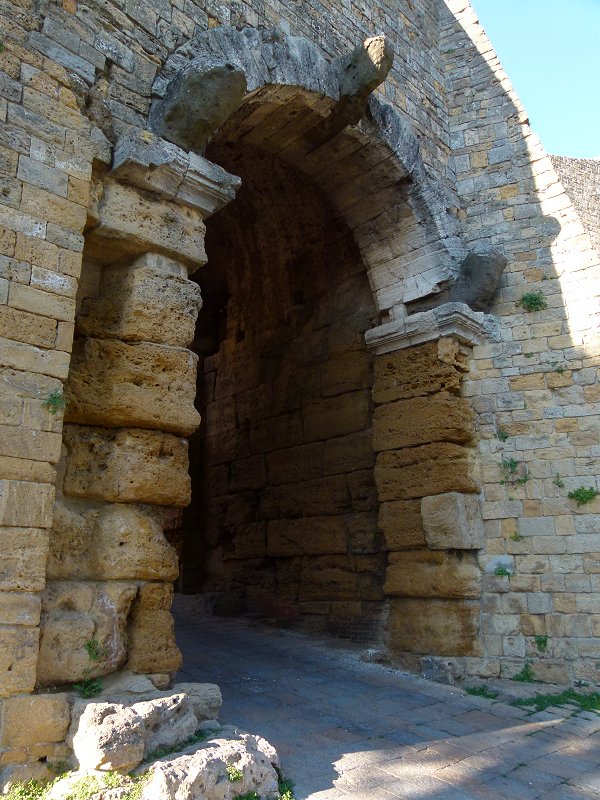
(283, 278)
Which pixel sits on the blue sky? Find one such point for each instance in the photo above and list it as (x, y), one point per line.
(551, 52)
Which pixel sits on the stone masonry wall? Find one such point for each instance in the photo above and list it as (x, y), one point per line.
(74, 76)
(581, 180)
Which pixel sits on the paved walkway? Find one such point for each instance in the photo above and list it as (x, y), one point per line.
(349, 730)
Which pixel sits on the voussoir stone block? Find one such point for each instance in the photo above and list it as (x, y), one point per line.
(97, 541)
(422, 573)
(116, 385)
(453, 521)
(126, 465)
(75, 612)
(140, 303)
(151, 632)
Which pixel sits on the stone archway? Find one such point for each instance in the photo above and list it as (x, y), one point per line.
(132, 380)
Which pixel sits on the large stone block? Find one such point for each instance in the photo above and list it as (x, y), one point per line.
(433, 627)
(26, 505)
(337, 416)
(421, 573)
(19, 608)
(34, 720)
(307, 536)
(453, 521)
(18, 659)
(143, 303)
(423, 471)
(97, 541)
(338, 577)
(348, 453)
(75, 613)
(133, 223)
(406, 423)
(151, 631)
(126, 465)
(137, 385)
(311, 498)
(401, 524)
(23, 554)
(418, 371)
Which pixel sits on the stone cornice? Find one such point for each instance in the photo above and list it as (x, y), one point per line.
(450, 319)
(150, 163)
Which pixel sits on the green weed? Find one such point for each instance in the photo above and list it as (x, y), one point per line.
(481, 691)
(525, 675)
(586, 702)
(583, 495)
(516, 537)
(94, 650)
(55, 401)
(89, 687)
(161, 752)
(502, 434)
(234, 774)
(502, 572)
(558, 481)
(541, 642)
(532, 301)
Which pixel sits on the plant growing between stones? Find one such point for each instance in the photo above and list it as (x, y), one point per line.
(541, 642)
(94, 649)
(502, 572)
(502, 435)
(532, 301)
(526, 675)
(481, 691)
(583, 495)
(510, 472)
(516, 537)
(161, 752)
(558, 481)
(586, 702)
(55, 401)
(89, 687)
(233, 773)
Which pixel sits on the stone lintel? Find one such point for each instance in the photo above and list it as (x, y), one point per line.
(450, 319)
(145, 160)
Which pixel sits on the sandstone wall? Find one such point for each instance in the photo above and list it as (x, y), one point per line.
(580, 178)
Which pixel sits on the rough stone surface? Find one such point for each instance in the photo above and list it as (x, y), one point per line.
(447, 627)
(23, 554)
(29, 721)
(202, 772)
(426, 470)
(422, 573)
(98, 541)
(142, 304)
(167, 721)
(151, 635)
(401, 524)
(73, 614)
(407, 423)
(205, 698)
(142, 385)
(106, 736)
(452, 521)
(127, 465)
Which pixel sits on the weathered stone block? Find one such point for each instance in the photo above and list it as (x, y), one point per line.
(453, 521)
(18, 659)
(74, 613)
(133, 223)
(33, 720)
(245, 541)
(295, 464)
(19, 608)
(126, 465)
(108, 542)
(337, 416)
(423, 471)
(141, 385)
(433, 627)
(401, 524)
(311, 498)
(307, 536)
(26, 505)
(23, 554)
(338, 577)
(142, 304)
(151, 631)
(348, 453)
(418, 371)
(421, 573)
(440, 418)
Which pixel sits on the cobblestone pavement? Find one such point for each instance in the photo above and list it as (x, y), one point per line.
(345, 729)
